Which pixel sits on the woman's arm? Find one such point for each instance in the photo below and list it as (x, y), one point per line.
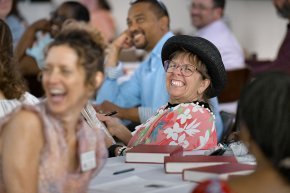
(116, 128)
(21, 142)
(27, 64)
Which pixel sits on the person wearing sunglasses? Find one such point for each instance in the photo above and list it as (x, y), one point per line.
(194, 73)
(138, 98)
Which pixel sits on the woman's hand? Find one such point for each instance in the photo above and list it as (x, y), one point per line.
(124, 41)
(116, 128)
(113, 124)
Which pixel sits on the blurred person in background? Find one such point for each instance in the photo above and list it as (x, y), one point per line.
(264, 121)
(207, 18)
(16, 22)
(101, 17)
(281, 62)
(12, 88)
(30, 49)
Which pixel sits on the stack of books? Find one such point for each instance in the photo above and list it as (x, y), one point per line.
(194, 168)
(176, 164)
(146, 153)
(222, 171)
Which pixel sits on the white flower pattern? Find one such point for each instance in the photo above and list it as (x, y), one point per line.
(173, 132)
(192, 128)
(203, 139)
(189, 125)
(181, 141)
(197, 108)
(184, 116)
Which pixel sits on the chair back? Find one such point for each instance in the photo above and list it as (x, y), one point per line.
(228, 120)
(235, 83)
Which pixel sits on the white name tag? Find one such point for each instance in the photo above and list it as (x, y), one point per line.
(88, 161)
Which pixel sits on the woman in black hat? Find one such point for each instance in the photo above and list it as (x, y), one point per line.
(195, 72)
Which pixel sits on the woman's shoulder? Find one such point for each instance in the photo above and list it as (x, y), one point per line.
(200, 108)
(23, 115)
(213, 186)
(22, 124)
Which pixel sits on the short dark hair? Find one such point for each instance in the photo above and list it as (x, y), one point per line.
(105, 5)
(264, 110)
(79, 11)
(158, 6)
(219, 3)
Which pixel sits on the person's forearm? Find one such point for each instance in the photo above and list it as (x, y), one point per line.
(28, 66)
(124, 135)
(129, 114)
(113, 55)
(25, 42)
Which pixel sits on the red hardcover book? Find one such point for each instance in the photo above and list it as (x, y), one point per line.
(146, 153)
(216, 171)
(176, 164)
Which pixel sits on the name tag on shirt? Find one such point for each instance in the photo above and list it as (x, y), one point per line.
(88, 161)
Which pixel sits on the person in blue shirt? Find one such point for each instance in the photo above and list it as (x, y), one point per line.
(138, 98)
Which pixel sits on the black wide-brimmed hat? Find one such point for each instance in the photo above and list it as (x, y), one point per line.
(206, 52)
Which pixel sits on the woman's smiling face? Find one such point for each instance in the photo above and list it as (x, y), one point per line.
(181, 86)
(64, 80)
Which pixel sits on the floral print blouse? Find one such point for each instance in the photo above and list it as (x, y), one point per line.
(190, 125)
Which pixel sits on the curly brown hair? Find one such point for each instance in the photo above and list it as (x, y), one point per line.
(11, 82)
(88, 44)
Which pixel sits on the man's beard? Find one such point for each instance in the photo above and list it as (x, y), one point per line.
(284, 11)
(142, 46)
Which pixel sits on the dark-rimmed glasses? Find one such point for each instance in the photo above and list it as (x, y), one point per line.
(185, 69)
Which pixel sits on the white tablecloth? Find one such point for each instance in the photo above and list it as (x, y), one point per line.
(144, 178)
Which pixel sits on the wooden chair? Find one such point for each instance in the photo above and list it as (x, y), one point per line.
(235, 83)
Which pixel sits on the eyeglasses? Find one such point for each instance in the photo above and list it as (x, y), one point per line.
(185, 69)
(157, 2)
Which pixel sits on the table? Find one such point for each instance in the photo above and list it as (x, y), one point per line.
(144, 178)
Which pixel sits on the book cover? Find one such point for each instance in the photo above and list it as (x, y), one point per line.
(216, 171)
(146, 153)
(176, 164)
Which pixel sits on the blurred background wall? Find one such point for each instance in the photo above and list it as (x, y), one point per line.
(254, 22)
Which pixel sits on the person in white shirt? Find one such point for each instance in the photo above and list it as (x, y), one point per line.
(12, 88)
(207, 18)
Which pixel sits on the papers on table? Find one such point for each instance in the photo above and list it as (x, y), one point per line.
(134, 184)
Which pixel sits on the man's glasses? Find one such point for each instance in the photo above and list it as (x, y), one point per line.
(185, 69)
(157, 2)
